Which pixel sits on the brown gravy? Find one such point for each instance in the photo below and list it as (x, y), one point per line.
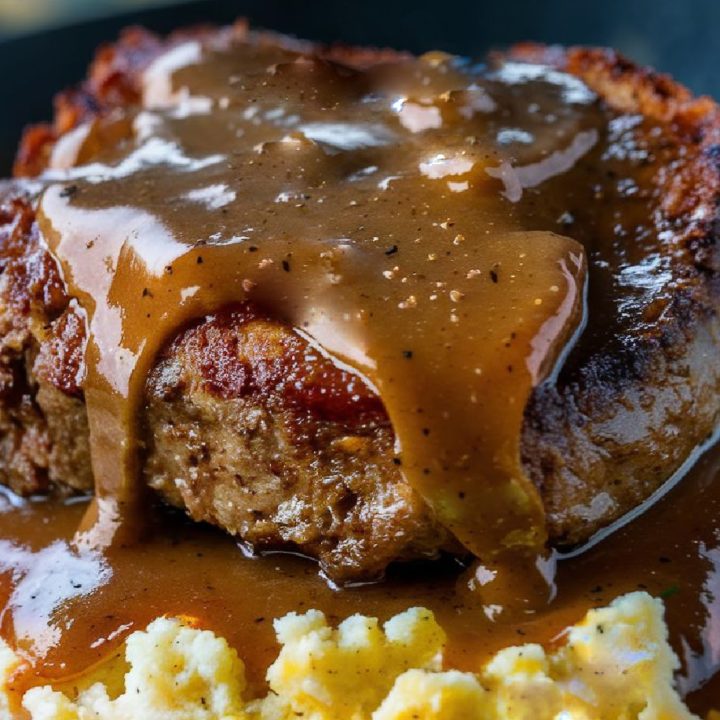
(67, 610)
(362, 206)
(403, 216)
(383, 212)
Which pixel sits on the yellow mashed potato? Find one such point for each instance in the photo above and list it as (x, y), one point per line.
(616, 665)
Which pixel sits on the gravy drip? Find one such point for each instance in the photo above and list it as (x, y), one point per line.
(370, 208)
(67, 608)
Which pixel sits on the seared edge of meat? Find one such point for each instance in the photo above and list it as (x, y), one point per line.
(610, 432)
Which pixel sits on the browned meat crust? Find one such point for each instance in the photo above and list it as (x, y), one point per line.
(622, 419)
(274, 443)
(248, 428)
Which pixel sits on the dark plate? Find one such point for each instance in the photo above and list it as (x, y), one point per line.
(680, 38)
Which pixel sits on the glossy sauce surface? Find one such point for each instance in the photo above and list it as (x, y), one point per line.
(364, 207)
(67, 609)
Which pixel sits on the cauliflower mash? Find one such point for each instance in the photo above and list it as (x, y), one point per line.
(615, 664)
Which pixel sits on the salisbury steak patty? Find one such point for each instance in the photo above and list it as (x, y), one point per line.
(250, 427)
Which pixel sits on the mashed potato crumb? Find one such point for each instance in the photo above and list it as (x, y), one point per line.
(347, 672)
(176, 673)
(8, 663)
(615, 665)
(451, 695)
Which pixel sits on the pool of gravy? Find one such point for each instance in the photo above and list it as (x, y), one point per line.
(68, 608)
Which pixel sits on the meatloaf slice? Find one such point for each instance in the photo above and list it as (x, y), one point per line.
(250, 427)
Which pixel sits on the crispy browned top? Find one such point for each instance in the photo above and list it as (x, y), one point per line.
(276, 365)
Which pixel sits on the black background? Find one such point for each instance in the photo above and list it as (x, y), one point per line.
(675, 36)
